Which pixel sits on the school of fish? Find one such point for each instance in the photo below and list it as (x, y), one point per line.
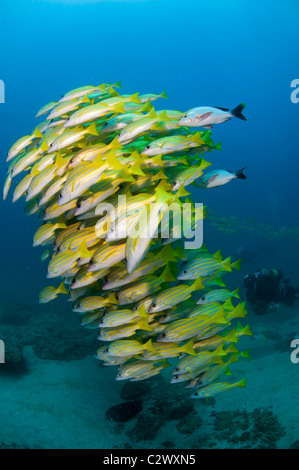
(103, 172)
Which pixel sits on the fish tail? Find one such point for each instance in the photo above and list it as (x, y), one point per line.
(240, 174)
(143, 325)
(217, 256)
(246, 331)
(61, 289)
(83, 251)
(149, 346)
(241, 383)
(188, 348)
(245, 354)
(92, 129)
(226, 265)
(231, 337)
(237, 112)
(37, 133)
(236, 293)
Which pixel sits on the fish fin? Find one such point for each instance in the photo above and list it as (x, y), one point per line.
(135, 99)
(241, 383)
(92, 129)
(149, 346)
(227, 371)
(166, 254)
(197, 284)
(245, 354)
(231, 349)
(44, 146)
(162, 195)
(126, 175)
(222, 109)
(114, 144)
(118, 108)
(219, 351)
(37, 133)
(146, 106)
(136, 170)
(59, 160)
(237, 112)
(112, 299)
(240, 174)
(236, 293)
(61, 289)
(246, 331)
(218, 256)
(85, 99)
(142, 312)
(198, 138)
(163, 116)
(152, 113)
(226, 265)
(217, 146)
(182, 191)
(113, 162)
(219, 282)
(34, 171)
(202, 117)
(167, 275)
(143, 325)
(219, 318)
(228, 305)
(188, 348)
(83, 251)
(161, 175)
(240, 311)
(231, 337)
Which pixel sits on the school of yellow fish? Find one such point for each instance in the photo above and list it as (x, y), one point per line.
(103, 172)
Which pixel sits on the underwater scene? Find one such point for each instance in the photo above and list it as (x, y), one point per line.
(150, 226)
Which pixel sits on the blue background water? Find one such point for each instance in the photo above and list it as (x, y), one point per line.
(203, 53)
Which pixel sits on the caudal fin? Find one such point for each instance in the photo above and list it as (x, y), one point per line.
(240, 174)
(237, 112)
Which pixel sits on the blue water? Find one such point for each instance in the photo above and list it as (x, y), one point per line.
(203, 53)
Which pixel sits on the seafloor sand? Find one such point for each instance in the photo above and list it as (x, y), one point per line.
(59, 404)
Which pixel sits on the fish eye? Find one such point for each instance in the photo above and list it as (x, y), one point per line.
(106, 279)
(135, 308)
(154, 305)
(195, 394)
(176, 377)
(184, 272)
(60, 194)
(163, 335)
(202, 298)
(125, 260)
(147, 147)
(106, 350)
(78, 204)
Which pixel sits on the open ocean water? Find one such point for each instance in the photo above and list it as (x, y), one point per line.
(54, 393)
